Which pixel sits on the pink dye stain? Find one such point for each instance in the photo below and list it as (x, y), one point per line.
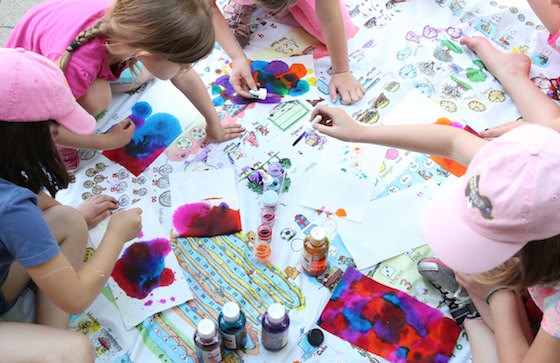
(205, 220)
(148, 303)
(141, 268)
(162, 301)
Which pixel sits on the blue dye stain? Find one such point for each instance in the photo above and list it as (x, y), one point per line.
(158, 132)
(402, 352)
(356, 320)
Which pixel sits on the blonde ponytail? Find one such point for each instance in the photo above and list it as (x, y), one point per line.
(99, 28)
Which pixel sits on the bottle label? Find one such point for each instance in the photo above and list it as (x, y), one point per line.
(274, 341)
(230, 341)
(314, 263)
(210, 356)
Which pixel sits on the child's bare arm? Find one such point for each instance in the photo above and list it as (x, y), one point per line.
(430, 139)
(332, 26)
(118, 136)
(240, 77)
(72, 290)
(189, 82)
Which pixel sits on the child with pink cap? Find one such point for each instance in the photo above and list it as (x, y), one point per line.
(46, 246)
(497, 227)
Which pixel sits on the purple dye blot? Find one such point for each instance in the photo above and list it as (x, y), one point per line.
(141, 268)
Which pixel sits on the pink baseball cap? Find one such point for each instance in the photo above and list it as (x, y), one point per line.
(509, 196)
(35, 89)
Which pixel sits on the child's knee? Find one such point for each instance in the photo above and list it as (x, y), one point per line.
(74, 347)
(66, 221)
(83, 349)
(97, 98)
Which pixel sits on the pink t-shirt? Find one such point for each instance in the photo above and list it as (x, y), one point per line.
(51, 26)
(304, 13)
(547, 298)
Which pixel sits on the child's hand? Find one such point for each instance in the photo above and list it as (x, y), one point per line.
(97, 208)
(126, 225)
(119, 135)
(336, 123)
(219, 133)
(347, 86)
(501, 129)
(241, 77)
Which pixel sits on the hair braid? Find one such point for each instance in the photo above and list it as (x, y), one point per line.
(99, 28)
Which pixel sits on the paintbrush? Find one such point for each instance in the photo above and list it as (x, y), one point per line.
(309, 129)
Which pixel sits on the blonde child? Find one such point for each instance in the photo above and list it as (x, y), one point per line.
(50, 252)
(326, 20)
(499, 225)
(93, 41)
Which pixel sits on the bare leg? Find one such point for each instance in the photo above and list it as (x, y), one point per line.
(97, 98)
(35, 343)
(482, 341)
(548, 14)
(512, 70)
(70, 230)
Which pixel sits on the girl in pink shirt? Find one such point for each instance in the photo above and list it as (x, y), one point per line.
(93, 41)
(327, 20)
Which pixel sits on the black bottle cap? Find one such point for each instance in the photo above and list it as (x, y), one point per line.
(315, 337)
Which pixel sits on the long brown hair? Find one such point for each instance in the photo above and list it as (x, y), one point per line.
(180, 31)
(538, 262)
(30, 158)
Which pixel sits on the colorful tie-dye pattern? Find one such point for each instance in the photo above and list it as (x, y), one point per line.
(388, 322)
(141, 268)
(152, 136)
(205, 220)
(279, 78)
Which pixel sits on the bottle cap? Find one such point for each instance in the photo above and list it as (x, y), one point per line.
(231, 312)
(276, 313)
(317, 234)
(315, 337)
(206, 329)
(270, 198)
(259, 93)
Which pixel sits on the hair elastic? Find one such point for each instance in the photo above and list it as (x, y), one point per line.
(495, 290)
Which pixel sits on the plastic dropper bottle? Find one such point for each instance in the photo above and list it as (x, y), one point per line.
(315, 252)
(275, 327)
(208, 342)
(231, 323)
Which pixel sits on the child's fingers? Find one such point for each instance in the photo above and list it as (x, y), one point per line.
(327, 130)
(251, 82)
(346, 98)
(332, 92)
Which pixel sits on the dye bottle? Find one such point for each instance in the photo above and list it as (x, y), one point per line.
(231, 323)
(268, 211)
(276, 171)
(208, 342)
(315, 252)
(262, 242)
(275, 327)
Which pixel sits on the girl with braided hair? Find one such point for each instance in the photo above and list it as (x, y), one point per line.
(94, 41)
